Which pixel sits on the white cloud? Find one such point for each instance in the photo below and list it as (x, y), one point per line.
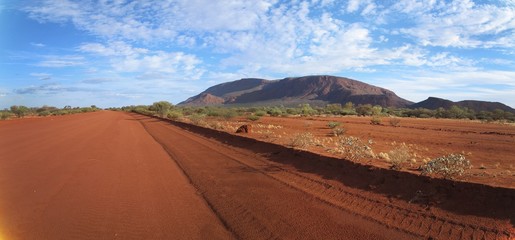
(164, 42)
(115, 48)
(56, 61)
(160, 61)
(368, 7)
(353, 5)
(98, 80)
(39, 45)
(49, 88)
(276, 36)
(42, 76)
(231, 15)
(455, 85)
(124, 58)
(150, 21)
(459, 23)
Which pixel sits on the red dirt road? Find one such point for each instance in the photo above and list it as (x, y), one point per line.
(111, 175)
(257, 199)
(95, 176)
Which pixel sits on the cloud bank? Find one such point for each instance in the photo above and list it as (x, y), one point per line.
(187, 42)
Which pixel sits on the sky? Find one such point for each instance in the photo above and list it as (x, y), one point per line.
(118, 53)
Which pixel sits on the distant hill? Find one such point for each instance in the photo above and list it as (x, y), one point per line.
(308, 89)
(435, 103)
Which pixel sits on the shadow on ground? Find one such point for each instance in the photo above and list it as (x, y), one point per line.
(462, 198)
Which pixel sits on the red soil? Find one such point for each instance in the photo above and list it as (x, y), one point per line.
(95, 176)
(427, 207)
(490, 147)
(102, 176)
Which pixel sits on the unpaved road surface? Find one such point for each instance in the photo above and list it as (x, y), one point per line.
(95, 176)
(110, 175)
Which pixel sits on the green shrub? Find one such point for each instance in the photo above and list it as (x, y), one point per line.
(20, 111)
(339, 131)
(229, 113)
(364, 110)
(5, 115)
(449, 166)
(399, 156)
(44, 113)
(395, 122)
(353, 148)
(174, 115)
(333, 124)
(275, 112)
(253, 117)
(161, 107)
(197, 119)
(260, 113)
(375, 121)
(302, 140)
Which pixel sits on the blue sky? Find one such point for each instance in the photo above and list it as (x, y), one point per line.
(116, 53)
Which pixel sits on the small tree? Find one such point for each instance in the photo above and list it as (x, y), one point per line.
(307, 110)
(162, 108)
(275, 112)
(364, 110)
(20, 111)
(376, 110)
(4, 115)
(334, 108)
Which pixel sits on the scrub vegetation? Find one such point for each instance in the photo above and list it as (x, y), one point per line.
(23, 111)
(401, 156)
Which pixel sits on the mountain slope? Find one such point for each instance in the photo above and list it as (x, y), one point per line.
(308, 89)
(435, 103)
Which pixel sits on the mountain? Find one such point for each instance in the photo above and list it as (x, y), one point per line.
(290, 91)
(435, 103)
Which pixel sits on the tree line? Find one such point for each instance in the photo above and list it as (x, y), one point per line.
(20, 111)
(166, 109)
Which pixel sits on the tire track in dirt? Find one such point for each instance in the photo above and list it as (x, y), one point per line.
(252, 202)
(418, 223)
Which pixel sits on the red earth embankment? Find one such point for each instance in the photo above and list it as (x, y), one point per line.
(424, 206)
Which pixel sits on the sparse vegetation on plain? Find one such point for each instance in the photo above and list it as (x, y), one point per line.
(394, 121)
(197, 119)
(174, 115)
(339, 131)
(302, 140)
(253, 117)
(5, 115)
(23, 111)
(353, 148)
(333, 124)
(450, 166)
(399, 156)
(376, 112)
(404, 156)
(375, 120)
